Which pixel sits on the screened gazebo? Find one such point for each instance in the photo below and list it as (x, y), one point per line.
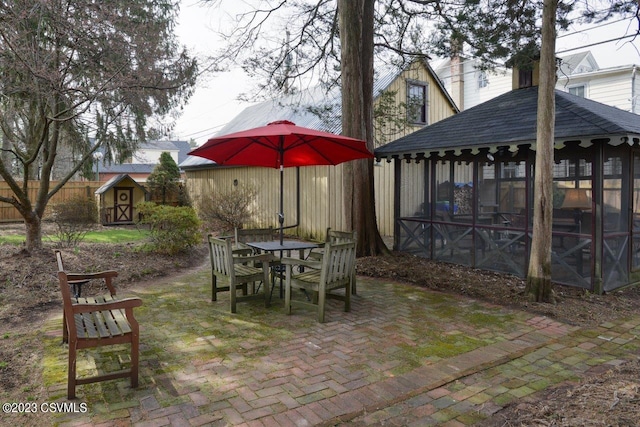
(464, 189)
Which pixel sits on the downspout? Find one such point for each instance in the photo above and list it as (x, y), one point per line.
(633, 90)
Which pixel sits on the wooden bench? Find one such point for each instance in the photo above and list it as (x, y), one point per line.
(95, 322)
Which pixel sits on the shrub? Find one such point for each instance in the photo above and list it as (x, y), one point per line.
(228, 209)
(73, 218)
(173, 229)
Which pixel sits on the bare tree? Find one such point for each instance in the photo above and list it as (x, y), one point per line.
(539, 275)
(75, 70)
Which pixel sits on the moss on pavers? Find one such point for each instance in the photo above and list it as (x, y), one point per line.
(470, 418)
(445, 414)
(480, 398)
(522, 391)
(514, 383)
(190, 345)
(496, 390)
(504, 399)
(540, 384)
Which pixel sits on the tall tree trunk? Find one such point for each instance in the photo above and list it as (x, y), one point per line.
(355, 21)
(539, 286)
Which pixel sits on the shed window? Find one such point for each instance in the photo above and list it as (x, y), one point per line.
(417, 103)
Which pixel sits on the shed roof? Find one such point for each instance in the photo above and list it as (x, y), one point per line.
(117, 180)
(510, 120)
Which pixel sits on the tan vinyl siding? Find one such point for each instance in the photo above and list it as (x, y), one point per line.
(320, 195)
(383, 179)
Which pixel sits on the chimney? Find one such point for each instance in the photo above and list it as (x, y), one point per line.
(457, 75)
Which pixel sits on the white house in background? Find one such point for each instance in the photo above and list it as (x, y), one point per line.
(578, 74)
(619, 87)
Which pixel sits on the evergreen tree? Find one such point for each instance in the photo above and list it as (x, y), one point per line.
(165, 178)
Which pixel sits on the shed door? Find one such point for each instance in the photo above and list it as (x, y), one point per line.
(123, 204)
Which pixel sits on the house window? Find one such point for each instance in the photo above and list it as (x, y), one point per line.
(417, 103)
(577, 91)
(483, 80)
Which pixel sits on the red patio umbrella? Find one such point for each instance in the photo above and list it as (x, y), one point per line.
(282, 144)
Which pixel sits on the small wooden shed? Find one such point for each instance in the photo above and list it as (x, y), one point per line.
(117, 200)
(464, 189)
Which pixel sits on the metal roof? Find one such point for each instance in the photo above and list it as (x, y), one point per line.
(181, 146)
(510, 120)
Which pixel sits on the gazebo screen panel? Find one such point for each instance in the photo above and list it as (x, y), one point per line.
(572, 248)
(414, 234)
(500, 225)
(513, 193)
(414, 194)
(615, 247)
(453, 240)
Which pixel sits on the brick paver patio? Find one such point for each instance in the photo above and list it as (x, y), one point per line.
(402, 356)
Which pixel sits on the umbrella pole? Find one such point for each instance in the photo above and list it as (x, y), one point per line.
(281, 214)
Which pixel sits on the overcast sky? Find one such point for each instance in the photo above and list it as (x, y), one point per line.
(215, 100)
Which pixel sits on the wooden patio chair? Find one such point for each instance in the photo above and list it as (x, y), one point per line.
(244, 235)
(333, 272)
(337, 236)
(238, 270)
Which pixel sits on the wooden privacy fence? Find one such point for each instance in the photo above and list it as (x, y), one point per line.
(71, 189)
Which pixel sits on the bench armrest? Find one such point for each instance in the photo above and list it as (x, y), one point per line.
(89, 276)
(107, 275)
(111, 305)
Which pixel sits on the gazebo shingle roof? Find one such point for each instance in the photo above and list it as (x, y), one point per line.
(510, 119)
